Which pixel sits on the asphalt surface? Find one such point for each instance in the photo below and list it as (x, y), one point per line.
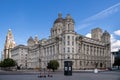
(33, 75)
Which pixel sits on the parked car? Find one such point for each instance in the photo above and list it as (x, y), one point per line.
(112, 69)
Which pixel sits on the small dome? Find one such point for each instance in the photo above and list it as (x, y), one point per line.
(30, 39)
(59, 19)
(106, 33)
(69, 18)
(30, 42)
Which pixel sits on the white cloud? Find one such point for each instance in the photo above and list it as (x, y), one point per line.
(112, 38)
(115, 44)
(109, 11)
(105, 13)
(82, 26)
(117, 32)
(88, 35)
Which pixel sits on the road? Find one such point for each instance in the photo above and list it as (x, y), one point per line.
(106, 75)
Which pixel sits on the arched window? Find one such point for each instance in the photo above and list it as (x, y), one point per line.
(68, 26)
(53, 32)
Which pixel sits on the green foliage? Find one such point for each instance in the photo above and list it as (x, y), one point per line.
(53, 64)
(1, 64)
(7, 63)
(48, 66)
(117, 62)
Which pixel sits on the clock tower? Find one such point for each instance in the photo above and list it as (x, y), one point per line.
(9, 44)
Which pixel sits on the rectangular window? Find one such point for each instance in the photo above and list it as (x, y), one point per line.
(44, 51)
(72, 43)
(64, 50)
(68, 37)
(68, 26)
(68, 49)
(73, 50)
(50, 49)
(53, 49)
(68, 42)
(64, 38)
(80, 63)
(73, 38)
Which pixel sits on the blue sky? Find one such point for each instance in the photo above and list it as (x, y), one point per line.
(35, 17)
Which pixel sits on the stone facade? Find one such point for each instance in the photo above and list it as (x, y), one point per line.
(19, 54)
(64, 43)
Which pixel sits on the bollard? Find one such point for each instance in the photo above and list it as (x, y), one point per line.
(95, 70)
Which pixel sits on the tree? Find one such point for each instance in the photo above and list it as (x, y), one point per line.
(48, 66)
(1, 64)
(117, 62)
(53, 64)
(7, 63)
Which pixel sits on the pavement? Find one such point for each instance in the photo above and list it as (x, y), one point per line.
(79, 75)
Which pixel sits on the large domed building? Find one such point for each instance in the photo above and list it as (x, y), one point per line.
(64, 43)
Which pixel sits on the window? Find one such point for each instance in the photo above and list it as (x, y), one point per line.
(68, 42)
(45, 51)
(53, 31)
(50, 49)
(64, 38)
(73, 50)
(80, 63)
(68, 37)
(73, 38)
(64, 50)
(53, 49)
(68, 26)
(59, 30)
(68, 49)
(100, 52)
(72, 43)
(64, 42)
(103, 52)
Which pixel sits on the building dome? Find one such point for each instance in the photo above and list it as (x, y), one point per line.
(106, 33)
(69, 18)
(30, 39)
(59, 19)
